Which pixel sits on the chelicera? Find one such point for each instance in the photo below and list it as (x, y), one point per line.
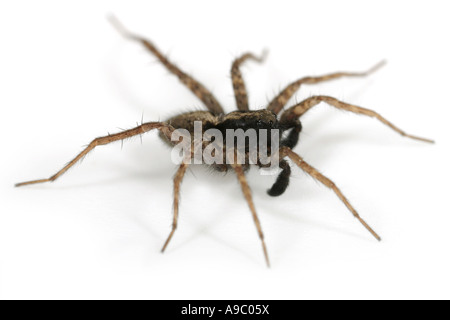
(271, 118)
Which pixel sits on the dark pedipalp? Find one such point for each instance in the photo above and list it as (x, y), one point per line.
(282, 181)
(291, 139)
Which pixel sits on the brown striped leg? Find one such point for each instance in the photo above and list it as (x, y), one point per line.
(298, 110)
(285, 151)
(280, 101)
(196, 87)
(176, 194)
(163, 127)
(248, 196)
(240, 93)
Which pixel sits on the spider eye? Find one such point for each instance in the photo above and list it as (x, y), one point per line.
(258, 123)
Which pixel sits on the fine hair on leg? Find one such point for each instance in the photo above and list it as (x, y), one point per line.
(314, 173)
(280, 101)
(165, 128)
(248, 197)
(176, 195)
(240, 92)
(193, 85)
(296, 111)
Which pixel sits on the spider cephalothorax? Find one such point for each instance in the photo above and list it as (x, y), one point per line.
(260, 122)
(288, 125)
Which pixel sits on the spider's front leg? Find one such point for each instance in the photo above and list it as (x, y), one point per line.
(165, 128)
(248, 197)
(314, 173)
(283, 97)
(296, 111)
(291, 116)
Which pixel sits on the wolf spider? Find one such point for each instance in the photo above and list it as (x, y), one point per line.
(288, 122)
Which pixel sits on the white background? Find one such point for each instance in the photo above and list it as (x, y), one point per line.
(66, 77)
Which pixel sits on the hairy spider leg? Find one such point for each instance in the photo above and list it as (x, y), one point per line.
(302, 164)
(165, 128)
(193, 85)
(283, 97)
(296, 111)
(176, 194)
(240, 92)
(248, 197)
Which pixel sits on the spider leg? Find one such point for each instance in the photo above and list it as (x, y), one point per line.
(176, 194)
(163, 127)
(285, 151)
(240, 93)
(248, 196)
(196, 87)
(298, 110)
(283, 97)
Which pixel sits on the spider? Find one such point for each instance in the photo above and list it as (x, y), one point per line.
(287, 122)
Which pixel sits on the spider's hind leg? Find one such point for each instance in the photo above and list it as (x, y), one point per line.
(193, 85)
(240, 92)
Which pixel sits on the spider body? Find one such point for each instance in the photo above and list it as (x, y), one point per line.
(256, 120)
(287, 124)
(245, 120)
